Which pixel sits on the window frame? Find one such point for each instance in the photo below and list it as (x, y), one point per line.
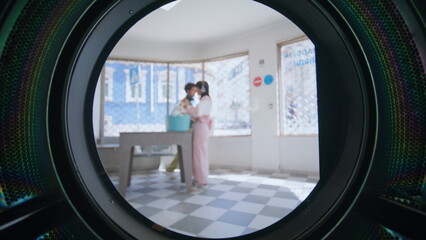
(140, 96)
(168, 73)
(280, 89)
(108, 84)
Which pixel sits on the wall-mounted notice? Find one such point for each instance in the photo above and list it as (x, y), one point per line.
(257, 81)
(268, 79)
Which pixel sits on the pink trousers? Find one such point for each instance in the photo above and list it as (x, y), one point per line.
(200, 158)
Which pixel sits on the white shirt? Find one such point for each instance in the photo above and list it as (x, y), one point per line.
(179, 109)
(204, 107)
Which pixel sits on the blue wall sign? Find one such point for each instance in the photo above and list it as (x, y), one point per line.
(268, 79)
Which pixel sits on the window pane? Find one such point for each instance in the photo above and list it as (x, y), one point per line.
(144, 92)
(181, 74)
(108, 83)
(229, 89)
(298, 113)
(135, 106)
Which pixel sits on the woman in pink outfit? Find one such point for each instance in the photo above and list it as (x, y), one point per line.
(201, 129)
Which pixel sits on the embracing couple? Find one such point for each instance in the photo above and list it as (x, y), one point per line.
(201, 129)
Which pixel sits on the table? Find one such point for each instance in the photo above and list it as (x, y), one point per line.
(130, 139)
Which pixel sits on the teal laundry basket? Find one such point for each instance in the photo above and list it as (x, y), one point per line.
(178, 123)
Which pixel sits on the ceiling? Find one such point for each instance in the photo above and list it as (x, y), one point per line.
(203, 21)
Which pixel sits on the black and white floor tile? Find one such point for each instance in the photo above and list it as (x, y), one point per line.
(233, 204)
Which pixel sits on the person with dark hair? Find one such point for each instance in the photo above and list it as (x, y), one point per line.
(180, 109)
(201, 129)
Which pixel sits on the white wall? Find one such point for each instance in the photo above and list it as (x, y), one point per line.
(131, 49)
(268, 150)
(299, 154)
(231, 152)
(264, 149)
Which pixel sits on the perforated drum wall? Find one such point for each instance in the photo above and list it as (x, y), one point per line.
(400, 81)
(38, 36)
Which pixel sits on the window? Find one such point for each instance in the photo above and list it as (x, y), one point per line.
(298, 92)
(135, 107)
(108, 84)
(144, 92)
(164, 85)
(230, 92)
(135, 83)
(180, 74)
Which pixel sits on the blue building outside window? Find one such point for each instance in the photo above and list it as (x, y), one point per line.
(142, 92)
(138, 95)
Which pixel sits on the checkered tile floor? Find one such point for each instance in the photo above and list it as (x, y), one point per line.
(233, 204)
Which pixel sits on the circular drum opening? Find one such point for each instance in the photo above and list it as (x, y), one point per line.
(132, 97)
(346, 109)
(371, 85)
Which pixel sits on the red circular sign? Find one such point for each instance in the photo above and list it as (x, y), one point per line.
(257, 81)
